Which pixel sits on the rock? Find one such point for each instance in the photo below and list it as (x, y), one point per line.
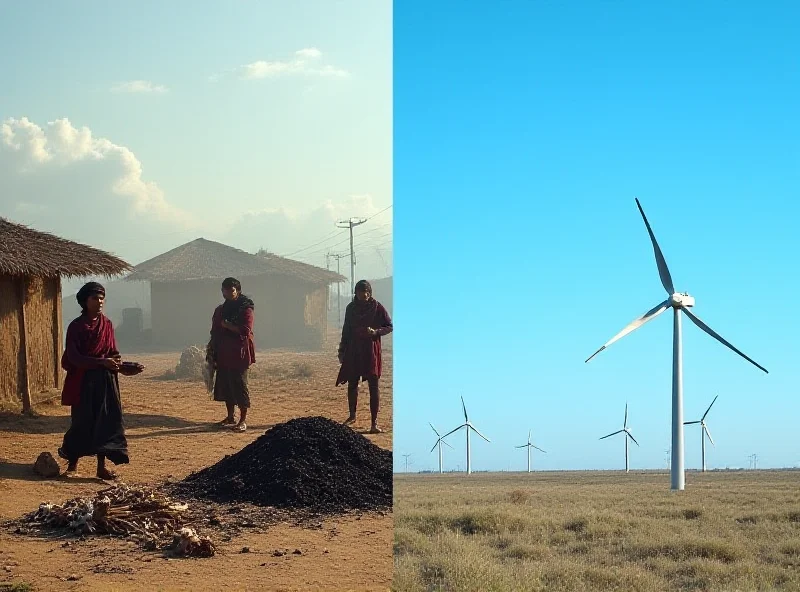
(245, 549)
(47, 466)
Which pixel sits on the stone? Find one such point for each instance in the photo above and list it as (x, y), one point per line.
(47, 466)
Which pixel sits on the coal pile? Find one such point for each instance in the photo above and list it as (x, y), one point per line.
(309, 463)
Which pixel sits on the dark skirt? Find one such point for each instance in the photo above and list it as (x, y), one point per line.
(97, 424)
(231, 387)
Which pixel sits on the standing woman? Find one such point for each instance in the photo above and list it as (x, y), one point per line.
(232, 351)
(91, 387)
(365, 322)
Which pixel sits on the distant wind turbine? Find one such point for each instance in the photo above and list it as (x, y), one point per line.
(679, 302)
(529, 446)
(704, 432)
(439, 443)
(627, 433)
(468, 425)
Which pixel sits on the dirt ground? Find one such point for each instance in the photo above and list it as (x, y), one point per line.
(169, 435)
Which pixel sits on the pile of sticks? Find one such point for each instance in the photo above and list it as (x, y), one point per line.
(145, 515)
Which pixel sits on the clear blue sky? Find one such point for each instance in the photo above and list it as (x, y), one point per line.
(523, 130)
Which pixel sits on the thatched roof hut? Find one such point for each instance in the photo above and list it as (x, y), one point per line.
(291, 297)
(31, 266)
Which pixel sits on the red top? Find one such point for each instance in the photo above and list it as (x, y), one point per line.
(88, 343)
(360, 350)
(234, 350)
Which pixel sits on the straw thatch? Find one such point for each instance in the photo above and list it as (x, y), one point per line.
(203, 259)
(28, 252)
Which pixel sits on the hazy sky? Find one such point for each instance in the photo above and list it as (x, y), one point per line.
(136, 127)
(523, 131)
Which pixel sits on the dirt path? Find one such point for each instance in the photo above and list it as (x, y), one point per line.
(169, 436)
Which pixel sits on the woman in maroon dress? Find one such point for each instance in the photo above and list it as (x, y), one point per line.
(91, 387)
(365, 322)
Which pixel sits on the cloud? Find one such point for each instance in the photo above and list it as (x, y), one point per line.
(139, 86)
(307, 235)
(305, 62)
(61, 178)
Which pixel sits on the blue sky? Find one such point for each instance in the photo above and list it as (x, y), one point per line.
(258, 124)
(522, 133)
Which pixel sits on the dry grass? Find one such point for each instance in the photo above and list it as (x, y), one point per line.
(597, 531)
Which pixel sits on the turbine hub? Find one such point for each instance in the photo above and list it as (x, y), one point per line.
(678, 300)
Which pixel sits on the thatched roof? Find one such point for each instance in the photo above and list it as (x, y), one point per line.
(203, 259)
(28, 252)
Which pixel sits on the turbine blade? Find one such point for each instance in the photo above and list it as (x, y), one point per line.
(540, 450)
(663, 270)
(690, 422)
(454, 431)
(709, 408)
(474, 429)
(709, 437)
(632, 438)
(523, 446)
(448, 445)
(529, 436)
(719, 338)
(434, 430)
(614, 434)
(648, 316)
(625, 423)
(435, 445)
(465, 410)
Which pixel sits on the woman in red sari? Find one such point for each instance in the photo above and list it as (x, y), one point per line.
(365, 322)
(91, 387)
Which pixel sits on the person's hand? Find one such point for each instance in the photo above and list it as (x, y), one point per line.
(372, 331)
(111, 364)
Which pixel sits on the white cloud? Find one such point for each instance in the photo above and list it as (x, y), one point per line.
(139, 86)
(61, 178)
(306, 62)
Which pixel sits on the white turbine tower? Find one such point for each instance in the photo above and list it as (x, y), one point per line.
(529, 446)
(704, 432)
(679, 302)
(627, 435)
(468, 425)
(439, 443)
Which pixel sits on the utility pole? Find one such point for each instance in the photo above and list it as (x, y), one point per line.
(406, 457)
(351, 223)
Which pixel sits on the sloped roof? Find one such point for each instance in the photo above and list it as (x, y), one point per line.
(25, 251)
(202, 259)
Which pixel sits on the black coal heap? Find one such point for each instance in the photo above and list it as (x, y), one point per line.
(311, 463)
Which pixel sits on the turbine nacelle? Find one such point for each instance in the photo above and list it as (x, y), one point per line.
(681, 300)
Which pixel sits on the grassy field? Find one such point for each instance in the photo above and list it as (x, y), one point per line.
(597, 531)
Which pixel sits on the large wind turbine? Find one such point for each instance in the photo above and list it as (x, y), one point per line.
(439, 443)
(529, 446)
(627, 433)
(468, 425)
(679, 302)
(703, 432)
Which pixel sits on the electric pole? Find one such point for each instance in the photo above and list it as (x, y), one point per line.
(351, 223)
(406, 457)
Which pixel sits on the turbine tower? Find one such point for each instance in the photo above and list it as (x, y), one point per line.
(529, 446)
(627, 435)
(703, 433)
(468, 425)
(439, 443)
(679, 302)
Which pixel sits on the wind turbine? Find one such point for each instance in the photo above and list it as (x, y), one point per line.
(627, 435)
(704, 432)
(468, 425)
(529, 446)
(679, 302)
(439, 443)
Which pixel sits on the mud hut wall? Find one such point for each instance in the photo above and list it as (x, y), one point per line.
(316, 316)
(181, 311)
(42, 336)
(11, 355)
(42, 333)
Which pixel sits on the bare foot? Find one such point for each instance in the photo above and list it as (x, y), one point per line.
(375, 429)
(349, 420)
(228, 421)
(240, 427)
(106, 475)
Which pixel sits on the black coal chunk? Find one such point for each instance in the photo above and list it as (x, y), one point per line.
(311, 463)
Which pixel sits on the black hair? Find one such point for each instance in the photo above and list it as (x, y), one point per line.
(88, 290)
(230, 282)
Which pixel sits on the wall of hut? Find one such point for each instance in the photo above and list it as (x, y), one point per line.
(30, 337)
(289, 313)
